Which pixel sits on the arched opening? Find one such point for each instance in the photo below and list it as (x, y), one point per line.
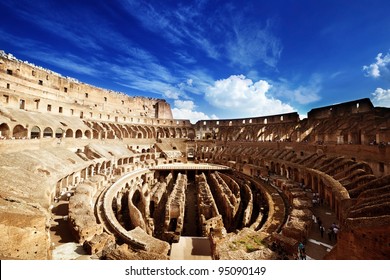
(48, 132)
(59, 133)
(88, 134)
(35, 133)
(19, 132)
(79, 133)
(96, 134)
(4, 131)
(69, 133)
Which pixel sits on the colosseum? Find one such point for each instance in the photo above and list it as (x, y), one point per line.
(113, 176)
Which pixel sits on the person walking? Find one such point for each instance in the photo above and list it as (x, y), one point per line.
(330, 232)
(322, 229)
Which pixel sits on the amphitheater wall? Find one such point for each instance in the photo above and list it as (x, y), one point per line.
(248, 198)
(362, 243)
(344, 109)
(14, 71)
(23, 229)
(377, 156)
(135, 214)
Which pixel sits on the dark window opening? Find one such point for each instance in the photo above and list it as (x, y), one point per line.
(86, 95)
(9, 71)
(22, 104)
(8, 86)
(65, 89)
(36, 103)
(60, 110)
(40, 82)
(49, 108)
(381, 167)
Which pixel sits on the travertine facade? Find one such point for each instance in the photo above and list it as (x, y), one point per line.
(114, 168)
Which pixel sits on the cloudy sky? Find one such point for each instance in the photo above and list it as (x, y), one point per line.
(211, 59)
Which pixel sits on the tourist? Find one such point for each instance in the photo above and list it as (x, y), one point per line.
(335, 232)
(301, 248)
(330, 232)
(322, 229)
(319, 222)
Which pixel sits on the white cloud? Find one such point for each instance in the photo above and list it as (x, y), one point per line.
(308, 93)
(302, 94)
(252, 43)
(381, 68)
(171, 94)
(185, 109)
(244, 98)
(184, 104)
(381, 97)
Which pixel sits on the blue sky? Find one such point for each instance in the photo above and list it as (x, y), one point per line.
(211, 59)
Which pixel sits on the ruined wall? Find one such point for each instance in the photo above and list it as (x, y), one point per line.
(136, 216)
(227, 200)
(248, 198)
(174, 210)
(209, 217)
(24, 81)
(82, 219)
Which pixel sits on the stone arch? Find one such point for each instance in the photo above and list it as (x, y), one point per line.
(117, 131)
(91, 170)
(125, 133)
(48, 132)
(131, 131)
(142, 134)
(277, 169)
(4, 130)
(59, 133)
(166, 132)
(35, 132)
(149, 132)
(172, 132)
(88, 134)
(160, 132)
(110, 134)
(19, 132)
(79, 133)
(69, 133)
(95, 134)
(191, 134)
(98, 168)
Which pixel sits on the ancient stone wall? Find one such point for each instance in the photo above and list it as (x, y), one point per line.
(81, 213)
(174, 210)
(18, 76)
(227, 201)
(210, 219)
